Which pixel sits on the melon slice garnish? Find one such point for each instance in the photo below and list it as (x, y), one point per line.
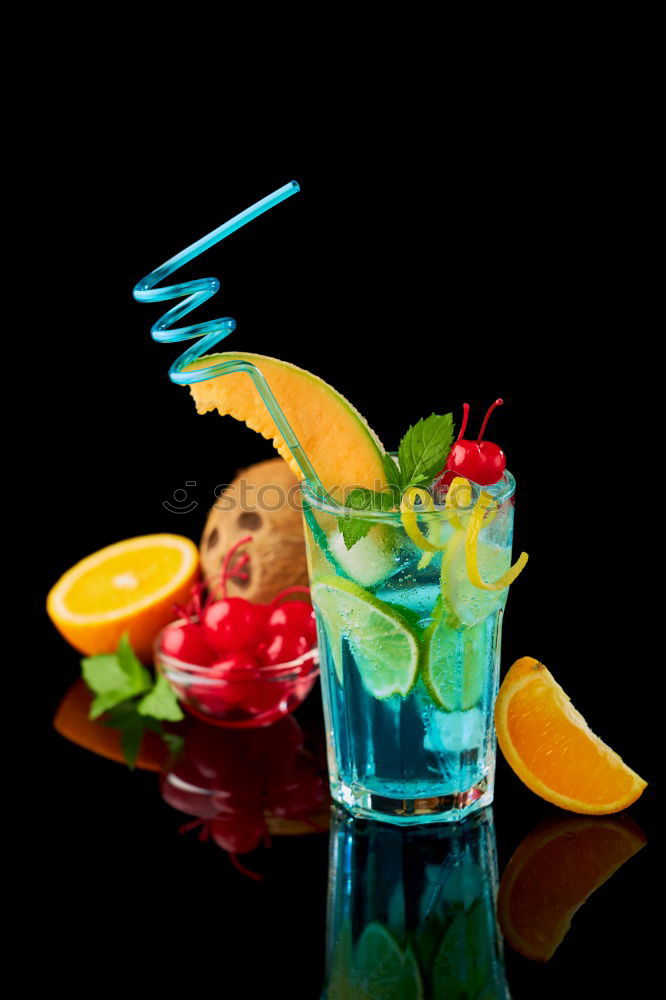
(340, 445)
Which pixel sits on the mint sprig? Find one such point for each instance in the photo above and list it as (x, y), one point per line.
(130, 701)
(424, 449)
(422, 454)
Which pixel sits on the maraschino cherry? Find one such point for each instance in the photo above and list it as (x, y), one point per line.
(232, 623)
(187, 643)
(480, 461)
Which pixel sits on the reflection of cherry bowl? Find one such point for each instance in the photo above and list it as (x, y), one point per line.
(240, 699)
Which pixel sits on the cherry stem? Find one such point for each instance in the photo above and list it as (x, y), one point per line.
(226, 572)
(203, 832)
(296, 589)
(237, 568)
(243, 870)
(194, 606)
(498, 402)
(465, 418)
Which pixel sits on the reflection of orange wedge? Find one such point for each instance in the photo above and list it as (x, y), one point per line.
(72, 722)
(555, 869)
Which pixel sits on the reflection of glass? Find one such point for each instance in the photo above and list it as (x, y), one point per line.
(411, 912)
(409, 658)
(552, 873)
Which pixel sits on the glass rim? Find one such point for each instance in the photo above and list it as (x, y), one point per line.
(394, 516)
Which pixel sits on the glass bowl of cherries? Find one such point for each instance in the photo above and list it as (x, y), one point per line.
(236, 664)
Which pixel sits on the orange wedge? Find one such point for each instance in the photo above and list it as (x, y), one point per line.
(71, 721)
(553, 750)
(555, 869)
(127, 587)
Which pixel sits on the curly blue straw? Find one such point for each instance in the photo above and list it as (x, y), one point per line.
(214, 330)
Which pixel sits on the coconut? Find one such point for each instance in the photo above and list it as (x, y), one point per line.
(261, 502)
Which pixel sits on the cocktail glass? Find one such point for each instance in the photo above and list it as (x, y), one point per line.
(409, 652)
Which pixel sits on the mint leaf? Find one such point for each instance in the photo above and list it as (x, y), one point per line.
(131, 726)
(131, 665)
(114, 677)
(355, 528)
(424, 449)
(161, 702)
(359, 499)
(392, 472)
(103, 673)
(363, 499)
(175, 742)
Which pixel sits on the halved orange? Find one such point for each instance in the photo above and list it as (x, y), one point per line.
(72, 721)
(555, 869)
(127, 587)
(552, 749)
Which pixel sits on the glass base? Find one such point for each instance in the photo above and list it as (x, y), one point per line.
(412, 812)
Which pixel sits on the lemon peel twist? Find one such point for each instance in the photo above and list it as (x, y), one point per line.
(409, 518)
(483, 504)
(456, 485)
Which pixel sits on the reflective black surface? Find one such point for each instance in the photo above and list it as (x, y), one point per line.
(160, 863)
(536, 276)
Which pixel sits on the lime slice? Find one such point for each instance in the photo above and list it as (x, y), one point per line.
(470, 604)
(384, 646)
(383, 970)
(454, 669)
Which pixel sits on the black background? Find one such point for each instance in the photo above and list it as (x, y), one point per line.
(414, 271)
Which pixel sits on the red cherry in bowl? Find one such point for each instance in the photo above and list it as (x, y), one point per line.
(187, 643)
(235, 673)
(297, 617)
(232, 623)
(480, 461)
(236, 665)
(282, 648)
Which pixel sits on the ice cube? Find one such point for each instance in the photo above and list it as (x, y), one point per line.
(371, 559)
(455, 731)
